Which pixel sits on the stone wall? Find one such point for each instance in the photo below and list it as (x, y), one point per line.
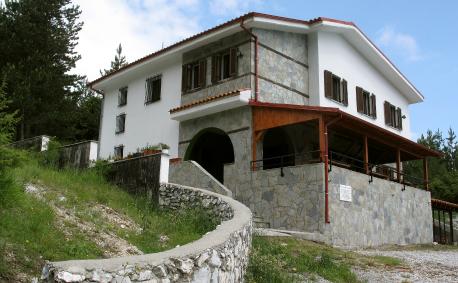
(293, 201)
(236, 123)
(78, 155)
(219, 256)
(190, 173)
(380, 212)
(283, 67)
(242, 80)
(38, 143)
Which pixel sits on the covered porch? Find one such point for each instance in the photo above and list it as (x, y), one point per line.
(289, 135)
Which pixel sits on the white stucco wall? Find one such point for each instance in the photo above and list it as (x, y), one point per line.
(330, 51)
(145, 123)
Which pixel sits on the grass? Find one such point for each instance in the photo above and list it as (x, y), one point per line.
(29, 234)
(280, 259)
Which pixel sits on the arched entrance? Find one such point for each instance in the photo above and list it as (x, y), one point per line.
(211, 148)
(277, 149)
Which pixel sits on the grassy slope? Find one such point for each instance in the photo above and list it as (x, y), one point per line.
(283, 259)
(29, 235)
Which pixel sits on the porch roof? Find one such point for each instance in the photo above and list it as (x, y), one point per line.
(350, 122)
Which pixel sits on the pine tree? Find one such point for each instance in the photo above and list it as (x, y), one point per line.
(118, 62)
(37, 53)
(7, 120)
(449, 150)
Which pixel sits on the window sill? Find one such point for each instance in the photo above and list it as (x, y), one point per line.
(368, 116)
(151, 102)
(398, 129)
(121, 105)
(337, 102)
(118, 133)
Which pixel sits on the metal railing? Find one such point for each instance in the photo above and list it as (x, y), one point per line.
(286, 160)
(381, 171)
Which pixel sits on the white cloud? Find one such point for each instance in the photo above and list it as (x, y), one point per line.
(232, 7)
(141, 26)
(404, 44)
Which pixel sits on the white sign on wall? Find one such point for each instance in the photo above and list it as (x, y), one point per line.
(345, 193)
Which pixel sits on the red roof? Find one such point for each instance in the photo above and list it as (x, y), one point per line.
(206, 100)
(216, 28)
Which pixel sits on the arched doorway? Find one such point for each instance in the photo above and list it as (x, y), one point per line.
(211, 148)
(277, 149)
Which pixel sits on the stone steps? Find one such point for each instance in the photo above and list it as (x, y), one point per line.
(258, 222)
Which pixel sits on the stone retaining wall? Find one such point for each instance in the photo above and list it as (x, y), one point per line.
(192, 174)
(219, 256)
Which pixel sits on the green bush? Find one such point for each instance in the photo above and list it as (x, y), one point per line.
(51, 156)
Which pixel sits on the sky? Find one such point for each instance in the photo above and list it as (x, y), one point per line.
(419, 37)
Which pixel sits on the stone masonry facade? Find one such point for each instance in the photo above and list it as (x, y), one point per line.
(219, 256)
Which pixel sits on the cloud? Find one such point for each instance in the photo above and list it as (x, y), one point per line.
(404, 44)
(141, 26)
(232, 7)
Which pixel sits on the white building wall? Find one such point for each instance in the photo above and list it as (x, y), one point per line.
(338, 56)
(145, 123)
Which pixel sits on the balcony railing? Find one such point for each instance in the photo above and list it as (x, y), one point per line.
(381, 171)
(286, 160)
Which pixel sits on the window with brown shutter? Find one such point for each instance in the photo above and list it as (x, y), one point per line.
(327, 84)
(153, 89)
(387, 111)
(399, 118)
(202, 73)
(359, 99)
(233, 62)
(194, 75)
(373, 106)
(184, 76)
(224, 65)
(344, 93)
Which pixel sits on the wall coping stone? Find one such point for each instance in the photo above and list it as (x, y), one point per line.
(242, 218)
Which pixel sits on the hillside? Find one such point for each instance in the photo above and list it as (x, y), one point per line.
(50, 214)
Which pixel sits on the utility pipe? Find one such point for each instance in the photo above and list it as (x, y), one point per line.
(256, 82)
(326, 165)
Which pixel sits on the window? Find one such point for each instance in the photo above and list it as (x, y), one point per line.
(335, 88)
(194, 75)
(224, 65)
(120, 123)
(119, 152)
(366, 103)
(153, 89)
(122, 96)
(393, 116)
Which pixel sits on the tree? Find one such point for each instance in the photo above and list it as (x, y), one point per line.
(37, 53)
(450, 150)
(88, 113)
(118, 62)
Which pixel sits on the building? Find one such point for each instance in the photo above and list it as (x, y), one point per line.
(306, 122)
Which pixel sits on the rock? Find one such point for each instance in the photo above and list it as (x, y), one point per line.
(185, 266)
(145, 275)
(201, 275)
(202, 258)
(214, 261)
(67, 277)
(121, 279)
(76, 270)
(163, 238)
(160, 271)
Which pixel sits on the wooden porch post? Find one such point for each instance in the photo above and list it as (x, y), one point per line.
(366, 156)
(451, 225)
(398, 165)
(425, 173)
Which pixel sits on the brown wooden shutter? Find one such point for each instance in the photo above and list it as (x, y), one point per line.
(203, 73)
(373, 106)
(387, 109)
(184, 80)
(399, 116)
(327, 84)
(215, 68)
(233, 62)
(359, 100)
(344, 93)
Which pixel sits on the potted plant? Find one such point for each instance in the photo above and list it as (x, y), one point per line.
(151, 149)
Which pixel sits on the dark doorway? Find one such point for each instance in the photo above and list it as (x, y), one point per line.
(211, 148)
(278, 150)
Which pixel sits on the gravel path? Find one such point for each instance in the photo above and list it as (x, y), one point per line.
(420, 266)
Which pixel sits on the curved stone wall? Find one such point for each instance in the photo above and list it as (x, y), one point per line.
(219, 256)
